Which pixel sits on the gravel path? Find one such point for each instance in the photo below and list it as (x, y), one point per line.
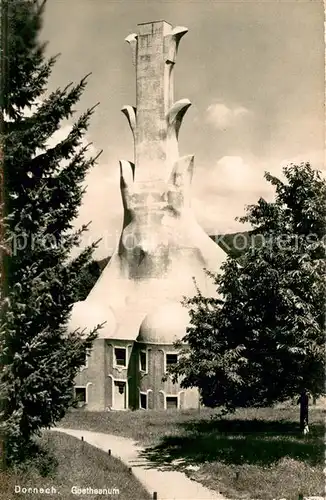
(169, 485)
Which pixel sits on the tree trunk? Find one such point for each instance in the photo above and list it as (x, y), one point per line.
(4, 59)
(304, 408)
(2, 452)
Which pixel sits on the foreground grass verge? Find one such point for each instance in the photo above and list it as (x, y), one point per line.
(74, 464)
(253, 454)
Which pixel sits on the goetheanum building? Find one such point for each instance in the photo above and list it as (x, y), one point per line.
(161, 249)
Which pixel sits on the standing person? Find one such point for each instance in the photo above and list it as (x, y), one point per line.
(304, 406)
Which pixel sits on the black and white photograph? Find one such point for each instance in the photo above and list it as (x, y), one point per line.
(162, 250)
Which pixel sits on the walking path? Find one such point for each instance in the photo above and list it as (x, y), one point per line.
(169, 485)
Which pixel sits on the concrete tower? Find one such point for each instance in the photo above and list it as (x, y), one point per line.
(162, 247)
(155, 120)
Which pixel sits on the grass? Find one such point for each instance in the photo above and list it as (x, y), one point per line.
(252, 454)
(71, 462)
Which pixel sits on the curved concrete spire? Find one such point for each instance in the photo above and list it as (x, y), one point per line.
(161, 246)
(127, 169)
(175, 116)
(132, 40)
(130, 113)
(172, 41)
(180, 183)
(174, 119)
(182, 171)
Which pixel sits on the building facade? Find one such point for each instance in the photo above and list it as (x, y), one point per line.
(161, 254)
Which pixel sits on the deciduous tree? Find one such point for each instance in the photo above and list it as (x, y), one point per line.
(263, 340)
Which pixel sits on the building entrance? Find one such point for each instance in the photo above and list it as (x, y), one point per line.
(119, 395)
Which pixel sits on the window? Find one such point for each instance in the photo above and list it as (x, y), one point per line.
(80, 395)
(143, 401)
(171, 402)
(120, 356)
(171, 359)
(143, 361)
(121, 386)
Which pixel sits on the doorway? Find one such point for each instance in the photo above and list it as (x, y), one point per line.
(119, 395)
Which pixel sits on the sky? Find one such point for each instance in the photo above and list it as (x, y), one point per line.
(254, 72)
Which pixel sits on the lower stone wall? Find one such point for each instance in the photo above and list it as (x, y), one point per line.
(100, 375)
(92, 377)
(161, 394)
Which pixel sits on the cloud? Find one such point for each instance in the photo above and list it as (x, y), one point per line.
(102, 206)
(221, 192)
(316, 158)
(234, 174)
(221, 116)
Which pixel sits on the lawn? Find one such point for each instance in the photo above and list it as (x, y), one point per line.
(252, 454)
(72, 463)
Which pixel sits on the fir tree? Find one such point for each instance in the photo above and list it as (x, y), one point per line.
(263, 340)
(43, 190)
(87, 280)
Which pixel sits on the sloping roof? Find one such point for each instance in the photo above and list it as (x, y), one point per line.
(103, 262)
(236, 244)
(165, 325)
(233, 244)
(86, 316)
